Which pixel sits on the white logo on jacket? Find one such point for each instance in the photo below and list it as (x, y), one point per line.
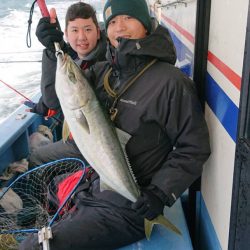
(128, 102)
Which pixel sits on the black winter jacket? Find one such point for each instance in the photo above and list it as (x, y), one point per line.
(160, 110)
(49, 98)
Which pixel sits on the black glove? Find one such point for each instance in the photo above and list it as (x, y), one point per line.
(48, 33)
(39, 108)
(29, 104)
(148, 205)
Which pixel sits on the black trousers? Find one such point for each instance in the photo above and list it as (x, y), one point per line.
(54, 151)
(100, 221)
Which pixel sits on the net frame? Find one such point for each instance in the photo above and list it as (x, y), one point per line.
(80, 165)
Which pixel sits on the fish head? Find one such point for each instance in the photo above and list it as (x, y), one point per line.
(72, 87)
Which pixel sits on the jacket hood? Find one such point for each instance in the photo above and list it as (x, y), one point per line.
(158, 44)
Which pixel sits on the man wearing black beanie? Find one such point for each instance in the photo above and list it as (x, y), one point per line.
(153, 101)
(134, 8)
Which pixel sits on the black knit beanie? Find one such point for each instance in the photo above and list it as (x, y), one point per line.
(134, 8)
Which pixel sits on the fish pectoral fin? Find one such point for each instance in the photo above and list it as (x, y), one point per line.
(161, 220)
(65, 131)
(104, 186)
(83, 121)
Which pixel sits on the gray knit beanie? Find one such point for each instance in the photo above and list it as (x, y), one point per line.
(134, 8)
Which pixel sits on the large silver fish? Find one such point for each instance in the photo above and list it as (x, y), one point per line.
(95, 135)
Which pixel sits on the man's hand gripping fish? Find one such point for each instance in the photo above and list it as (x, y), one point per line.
(93, 132)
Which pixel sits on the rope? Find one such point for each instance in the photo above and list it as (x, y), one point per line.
(28, 36)
(113, 110)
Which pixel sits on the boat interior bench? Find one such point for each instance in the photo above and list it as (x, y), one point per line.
(14, 134)
(164, 239)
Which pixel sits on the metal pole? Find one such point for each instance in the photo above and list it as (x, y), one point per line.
(44, 235)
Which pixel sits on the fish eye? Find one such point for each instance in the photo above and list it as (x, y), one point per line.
(71, 76)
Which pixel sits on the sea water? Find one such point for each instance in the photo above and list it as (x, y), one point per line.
(20, 66)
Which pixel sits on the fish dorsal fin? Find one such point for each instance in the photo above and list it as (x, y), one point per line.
(124, 138)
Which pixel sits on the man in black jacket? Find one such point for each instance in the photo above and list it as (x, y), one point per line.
(153, 101)
(86, 45)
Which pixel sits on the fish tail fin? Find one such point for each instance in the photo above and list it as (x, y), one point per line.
(148, 225)
(65, 131)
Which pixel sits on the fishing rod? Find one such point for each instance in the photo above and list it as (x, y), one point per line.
(45, 13)
(43, 8)
(6, 84)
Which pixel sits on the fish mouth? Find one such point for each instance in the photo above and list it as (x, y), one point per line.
(61, 59)
(59, 53)
(65, 59)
